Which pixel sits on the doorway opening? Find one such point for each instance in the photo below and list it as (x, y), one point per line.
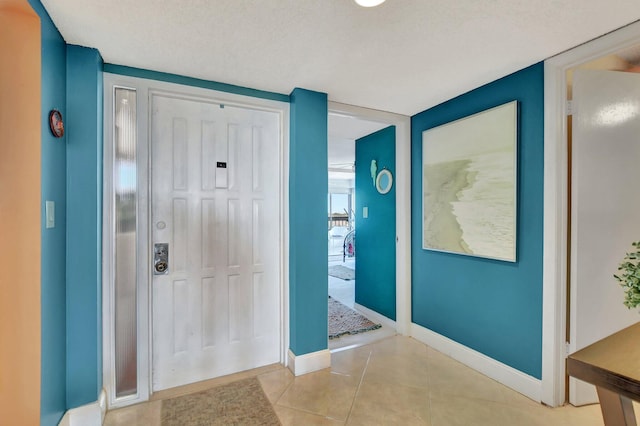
(599, 121)
(556, 302)
(344, 132)
(341, 241)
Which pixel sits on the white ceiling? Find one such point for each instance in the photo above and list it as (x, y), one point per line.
(403, 56)
(343, 131)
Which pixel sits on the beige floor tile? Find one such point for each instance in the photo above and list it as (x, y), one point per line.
(324, 393)
(450, 377)
(400, 345)
(453, 411)
(292, 417)
(147, 413)
(393, 368)
(394, 381)
(448, 410)
(511, 397)
(390, 404)
(588, 415)
(275, 383)
(350, 362)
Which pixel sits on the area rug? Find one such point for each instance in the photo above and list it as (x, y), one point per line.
(344, 320)
(238, 403)
(342, 272)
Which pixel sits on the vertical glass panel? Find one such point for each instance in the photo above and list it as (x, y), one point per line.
(125, 193)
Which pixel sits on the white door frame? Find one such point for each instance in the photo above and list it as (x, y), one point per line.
(554, 311)
(145, 88)
(402, 180)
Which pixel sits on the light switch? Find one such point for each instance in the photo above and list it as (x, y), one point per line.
(365, 212)
(50, 214)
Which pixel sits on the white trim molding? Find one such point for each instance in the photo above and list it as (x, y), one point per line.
(402, 182)
(517, 380)
(87, 415)
(556, 193)
(308, 363)
(375, 316)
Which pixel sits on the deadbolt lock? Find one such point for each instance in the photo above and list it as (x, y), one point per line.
(160, 258)
(161, 267)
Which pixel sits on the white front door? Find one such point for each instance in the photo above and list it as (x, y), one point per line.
(605, 206)
(215, 201)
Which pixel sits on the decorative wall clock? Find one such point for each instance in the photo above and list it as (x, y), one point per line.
(56, 124)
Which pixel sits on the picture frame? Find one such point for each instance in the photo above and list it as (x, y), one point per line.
(469, 185)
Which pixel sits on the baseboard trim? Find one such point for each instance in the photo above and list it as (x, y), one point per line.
(308, 363)
(375, 316)
(102, 403)
(87, 415)
(517, 380)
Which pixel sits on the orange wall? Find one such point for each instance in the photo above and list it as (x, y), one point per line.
(20, 231)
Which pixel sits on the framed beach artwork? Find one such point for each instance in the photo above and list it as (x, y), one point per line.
(469, 185)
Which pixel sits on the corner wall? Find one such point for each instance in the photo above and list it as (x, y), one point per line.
(376, 235)
(84, 225)
(490, 306)
(20, 214)
(308, 188)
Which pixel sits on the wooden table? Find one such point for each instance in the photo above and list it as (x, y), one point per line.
(613, 366)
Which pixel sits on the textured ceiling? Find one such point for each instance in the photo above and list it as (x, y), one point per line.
(403, 56)
(343, 131)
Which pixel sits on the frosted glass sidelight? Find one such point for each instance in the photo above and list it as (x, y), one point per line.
(125, 202)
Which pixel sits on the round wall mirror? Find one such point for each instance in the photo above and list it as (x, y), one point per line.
(384, 181)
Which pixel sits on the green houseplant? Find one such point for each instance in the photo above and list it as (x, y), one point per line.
(629, 278)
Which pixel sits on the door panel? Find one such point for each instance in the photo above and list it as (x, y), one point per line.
(215, 201)
(605, 205)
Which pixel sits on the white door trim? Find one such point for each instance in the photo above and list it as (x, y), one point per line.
(556, 159)
(403, 202)
(144, 89)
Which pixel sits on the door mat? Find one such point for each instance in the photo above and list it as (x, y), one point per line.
(238, 403)
(344, 320)
(342, 272)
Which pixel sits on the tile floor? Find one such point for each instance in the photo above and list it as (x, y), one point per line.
(395, 381)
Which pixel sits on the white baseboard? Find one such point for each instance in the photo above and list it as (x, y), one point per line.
(517, 380)
(102, 403)
(87, 415)
(375, 316)
(308, 363)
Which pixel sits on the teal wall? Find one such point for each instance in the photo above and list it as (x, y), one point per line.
(308, 188)
(71, 251)
(54, 163)
(376, 235)
(491, 306)
(84, 225)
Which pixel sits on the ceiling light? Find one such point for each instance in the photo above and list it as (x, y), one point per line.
(369, 3)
